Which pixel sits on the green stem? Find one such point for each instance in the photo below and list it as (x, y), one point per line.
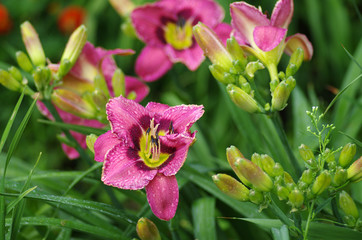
(335, 210)
(273, 72)
(310, 218)
(284, 139)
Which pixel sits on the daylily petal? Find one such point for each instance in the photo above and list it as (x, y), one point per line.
(245, 18)
(282, 13)
(162, 195)
(179, 142)
(268, 37)
(192, 57)
(299, 41)
(152, 63)
(158, 108)
(223, 31)
(147, 21)
(135, 85)
(103, 144)
(123, 169)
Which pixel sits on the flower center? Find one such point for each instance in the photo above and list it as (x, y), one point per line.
(179, 35)
(150, 146)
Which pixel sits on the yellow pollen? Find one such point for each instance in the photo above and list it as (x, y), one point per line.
(179, 37)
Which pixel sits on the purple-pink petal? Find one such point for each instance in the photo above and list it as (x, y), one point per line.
(162, 195)
(135, 85)
(123, 169)
(157, 108)
(282, 13)
(268, 37)
(192, 57)
(152, 63)
(103, 144)
(223, 31)
(299, 41)
(245, 18)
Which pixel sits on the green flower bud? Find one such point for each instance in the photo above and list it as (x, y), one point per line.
(282, 193)
(256, 158)
(101, 85)
(100, 100)
(347, 205)
(242, 99)
(247, 88)
(306, 153)
(340, 176)
(231, 187)
(277, 170)
(90, 140)
(256, 197)
(295, 62)
(332, 165)
(24, 61)
(218, 73)
(347, 154)
(118, 83)
(354, 172)
(132, 95)
(267, 164)
(8, 81)
(350, 221)
(279, 180)
(329, 156)
(321, 183)
(16, 74)
(252, 67)
(280, 97)
(308, 176)
(229, 77)
(42, 77)
(259, 179)
(296, 199)
(289, 181)
(232, 154)
(236, 51)
(302, 185)
(273, 85)
(147, 230)
(32, 44)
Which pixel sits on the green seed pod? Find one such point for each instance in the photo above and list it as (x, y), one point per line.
(306, 153)
(256, 196)
(282, 193)
(231, 187)
(147, 230)
(308, 176)
(347, 205)
(354, 172)
(296, 199)
(347, 154)
(340, 176)
(232, 154)
(321, 183)
(267, 164)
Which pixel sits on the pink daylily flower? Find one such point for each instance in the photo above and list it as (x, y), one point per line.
(146, 147)
(263, 35)
(80, 79)
(166, 28)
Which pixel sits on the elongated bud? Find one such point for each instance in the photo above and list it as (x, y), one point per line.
(347, 154)
(118, 83)
(236, 51)
(281, 95)
(212, 46)
(347, 205)
(340, 176)
(308, 176)
(259, 179)
(289, 181)
(16, 74)
(256, 197)
(71, 102)
(101, 85)
(277, 170)
(354, 172)
(256, 158)
(252, 67)
(90, 140)
(42, 77)
(295, 62)
(147, 230)
(8, 81)
(329, 156)
(24, 62)
(219, 74)
(232, 154)
(296, 199)
(321, 183)
(267, 164)
(231, 187)
(72, 50)
(306, 153)
(282, 193)
(242, 99)
(32, 44)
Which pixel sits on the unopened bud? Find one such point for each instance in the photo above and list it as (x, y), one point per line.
(306, 153)
(16, 74)
(123, 7)
(252, 67)
(73, 103)
(332, 165)
(347, 205)
(340, 176)
(267, 164)
(8, 81)
(132, 95)
(118, 83)
(256, 158)
(321, 183)
(90, 140)
(219, 74)
(295, 62)
(282, 193)
(236, 51)
(289, 181)
(308, 176)
(242, 99)
(296, 199)
(259, 179)
(32, 44)
(24, 61)
(42, 77)
(147, 230)
(256, 197)
(212, 46)
(354, 172)
(329, 156)
(232, 154)
(280, 96)
(347, 154)
(231, 187)
(72, 50)
(277, 170)
(101, 85)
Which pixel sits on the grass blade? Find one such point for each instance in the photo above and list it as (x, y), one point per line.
(203, 214)
(280, 233)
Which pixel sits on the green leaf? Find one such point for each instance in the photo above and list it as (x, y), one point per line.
(319, 231)
(15, 202)
(76, 128)
(64, 234)
(280, 233)
(203, 214)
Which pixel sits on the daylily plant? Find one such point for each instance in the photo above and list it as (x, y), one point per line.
(70, 97)
(166, 28)
(266, 38)
(146, 147)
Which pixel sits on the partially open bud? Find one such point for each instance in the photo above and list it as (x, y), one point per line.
(282, 193)
(147, 230)
(73, 103)
(308, 176)
(236, 51)
(24, 62)
(306, 153)
(347, 205)
(252, 67)
(259, 179)
(242, 99)
(72, 50)
(296, 199)
(32, 44)
(232, 154)
(347, 154)
(295, 62)
(354, 172)
(231, 187)
(340, 176)
(90, 140)
(321, 183)
(118, 83)
(256, 197)
(212, 46)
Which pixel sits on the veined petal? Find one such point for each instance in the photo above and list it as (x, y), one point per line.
(268, 37)
(152, 63)
(299, 41)
(192, 57)
(135, 85)
(245, 18)
(158, 108)
(282, 13)
(123, 169)
(103, 144)
(162, 195)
